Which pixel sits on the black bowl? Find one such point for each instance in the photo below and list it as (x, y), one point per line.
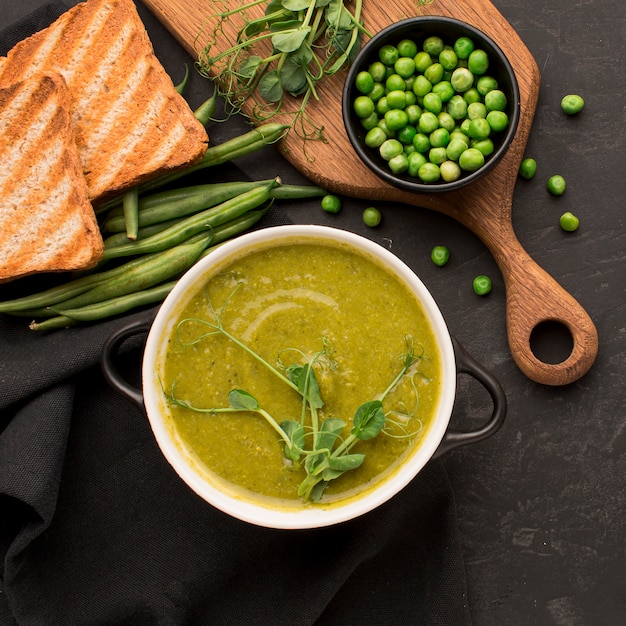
(418, 29)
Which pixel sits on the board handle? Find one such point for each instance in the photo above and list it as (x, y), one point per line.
(533, 297)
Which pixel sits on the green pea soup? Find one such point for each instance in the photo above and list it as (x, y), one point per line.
(286, 303)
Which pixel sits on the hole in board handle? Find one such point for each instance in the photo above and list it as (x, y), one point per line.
(551, 342)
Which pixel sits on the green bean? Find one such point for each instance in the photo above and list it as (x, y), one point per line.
(119, 239)
(159, 198)
(180, 88)
(72, 288)
(130, 204)
(172, 236)
(205, 111)
(236, 147)
(234, 227)
(125, 303)
(297, 192)
(193, 224)
(241, 145)
(186, 200)
(108, 308)
(60, 321)
(198, 198)
(161, 267)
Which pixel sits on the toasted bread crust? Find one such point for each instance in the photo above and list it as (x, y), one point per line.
(47, 222)
(131, 124)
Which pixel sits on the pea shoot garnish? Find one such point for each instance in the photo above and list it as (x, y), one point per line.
(323, 445)
(288, 50)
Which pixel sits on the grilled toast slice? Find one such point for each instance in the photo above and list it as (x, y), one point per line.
(47, 222)
(130, 122)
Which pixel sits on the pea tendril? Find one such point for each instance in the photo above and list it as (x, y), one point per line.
(288, 50)
(316, 443)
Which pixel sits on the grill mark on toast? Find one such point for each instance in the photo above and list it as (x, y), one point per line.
(27, 157)
(12, 120)
(78, 45)
(31, 62)
(87, 28)
(46, 220)
(169, 145)
(132, 139)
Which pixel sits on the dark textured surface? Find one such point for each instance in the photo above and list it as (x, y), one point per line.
(541, 505)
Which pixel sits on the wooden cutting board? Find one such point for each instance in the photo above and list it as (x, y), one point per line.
(532, 295)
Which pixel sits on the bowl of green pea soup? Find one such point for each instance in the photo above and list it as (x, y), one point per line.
(430, 104)
(300, 376)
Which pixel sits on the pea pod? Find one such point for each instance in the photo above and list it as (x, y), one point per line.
(189, 226)
(160, 268)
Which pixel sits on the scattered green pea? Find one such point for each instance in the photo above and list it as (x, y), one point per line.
(482, 285)
(331, 203)
(556, 185)
(440, 255)
(528, 168)
(569, 222)
(371, 217)
(572, 104)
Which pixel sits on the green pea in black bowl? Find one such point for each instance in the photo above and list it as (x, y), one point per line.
(418, 30)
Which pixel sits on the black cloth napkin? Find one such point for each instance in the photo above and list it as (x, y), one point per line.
(96, 528)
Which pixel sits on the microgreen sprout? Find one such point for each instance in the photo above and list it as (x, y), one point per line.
(314, 442)
(286, 51)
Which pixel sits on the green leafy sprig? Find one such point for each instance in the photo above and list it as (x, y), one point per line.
(317, 445)
(308, 41)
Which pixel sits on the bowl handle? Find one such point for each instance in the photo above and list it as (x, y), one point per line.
(467, 364)
(107, 360)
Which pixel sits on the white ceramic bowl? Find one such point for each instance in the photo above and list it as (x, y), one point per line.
(257, 512)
